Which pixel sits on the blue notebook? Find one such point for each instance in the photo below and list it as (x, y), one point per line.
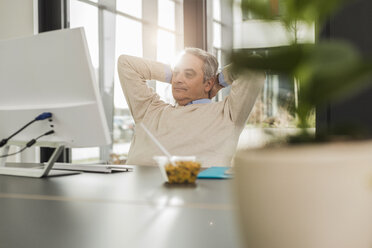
(214, 173)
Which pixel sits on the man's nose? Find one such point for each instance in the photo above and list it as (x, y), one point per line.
(179, 78)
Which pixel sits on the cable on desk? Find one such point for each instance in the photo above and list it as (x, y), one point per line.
(29, 144)
(40, 117)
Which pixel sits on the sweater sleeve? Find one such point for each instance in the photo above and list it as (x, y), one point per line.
(133, 73)
(244, 91)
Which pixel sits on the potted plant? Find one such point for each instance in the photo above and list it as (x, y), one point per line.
(313, 194)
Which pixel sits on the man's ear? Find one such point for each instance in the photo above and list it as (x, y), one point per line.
(208, 85)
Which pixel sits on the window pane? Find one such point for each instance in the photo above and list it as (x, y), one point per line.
(130, 7)
(85, 15)
(276, 103)
(217, 10)
(128, 36)
(129, 45)
(166, 17)
(166, 47)
(85, 155)
(216, 35)
(164, 90)
(217, 53)
(166, 53)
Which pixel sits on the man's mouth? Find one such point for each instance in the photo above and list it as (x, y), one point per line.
(179, 89)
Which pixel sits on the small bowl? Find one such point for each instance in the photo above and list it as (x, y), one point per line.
(184, 169)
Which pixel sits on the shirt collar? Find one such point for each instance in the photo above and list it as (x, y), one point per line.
(203, 100)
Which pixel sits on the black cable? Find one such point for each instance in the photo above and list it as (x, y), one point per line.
(40, 117)
(29, 144)
(14, 153)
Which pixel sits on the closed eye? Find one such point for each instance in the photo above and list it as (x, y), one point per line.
(189, 73)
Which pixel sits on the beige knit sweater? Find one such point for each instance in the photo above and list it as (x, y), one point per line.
(210, 131)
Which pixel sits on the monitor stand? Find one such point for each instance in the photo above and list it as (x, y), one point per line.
(33, 169)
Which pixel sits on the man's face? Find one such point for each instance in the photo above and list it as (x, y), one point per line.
(187, 80)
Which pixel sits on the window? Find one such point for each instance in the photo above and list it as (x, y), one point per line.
(277, 101)
(130, 7)
(166, 14)
(275, 104)
(166, 42)
(220, 37)
(86, 15)
(123, 123)
(139, 31)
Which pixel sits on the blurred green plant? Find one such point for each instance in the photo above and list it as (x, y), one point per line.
(324, 71)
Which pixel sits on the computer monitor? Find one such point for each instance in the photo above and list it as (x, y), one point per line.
(51, 72)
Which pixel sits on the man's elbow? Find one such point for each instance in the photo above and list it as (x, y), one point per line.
(122, 60)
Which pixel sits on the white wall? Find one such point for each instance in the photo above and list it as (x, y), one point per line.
(16, 18)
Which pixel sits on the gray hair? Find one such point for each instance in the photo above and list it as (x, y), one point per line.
(210, 62)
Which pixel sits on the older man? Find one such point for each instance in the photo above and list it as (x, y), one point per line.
(195, 125)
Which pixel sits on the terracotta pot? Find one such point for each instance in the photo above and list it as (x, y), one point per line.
(310, 196)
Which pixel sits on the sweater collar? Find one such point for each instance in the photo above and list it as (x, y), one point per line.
(203, 100)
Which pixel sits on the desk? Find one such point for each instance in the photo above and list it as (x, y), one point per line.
(129, 209)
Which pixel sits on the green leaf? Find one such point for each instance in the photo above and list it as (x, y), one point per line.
(280, 60)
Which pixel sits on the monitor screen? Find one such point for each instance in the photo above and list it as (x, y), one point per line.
(51, 72)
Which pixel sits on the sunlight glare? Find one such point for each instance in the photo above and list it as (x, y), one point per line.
(166, 47)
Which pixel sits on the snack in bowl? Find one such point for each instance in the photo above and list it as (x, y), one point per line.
(182, 169)
(183, 172)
